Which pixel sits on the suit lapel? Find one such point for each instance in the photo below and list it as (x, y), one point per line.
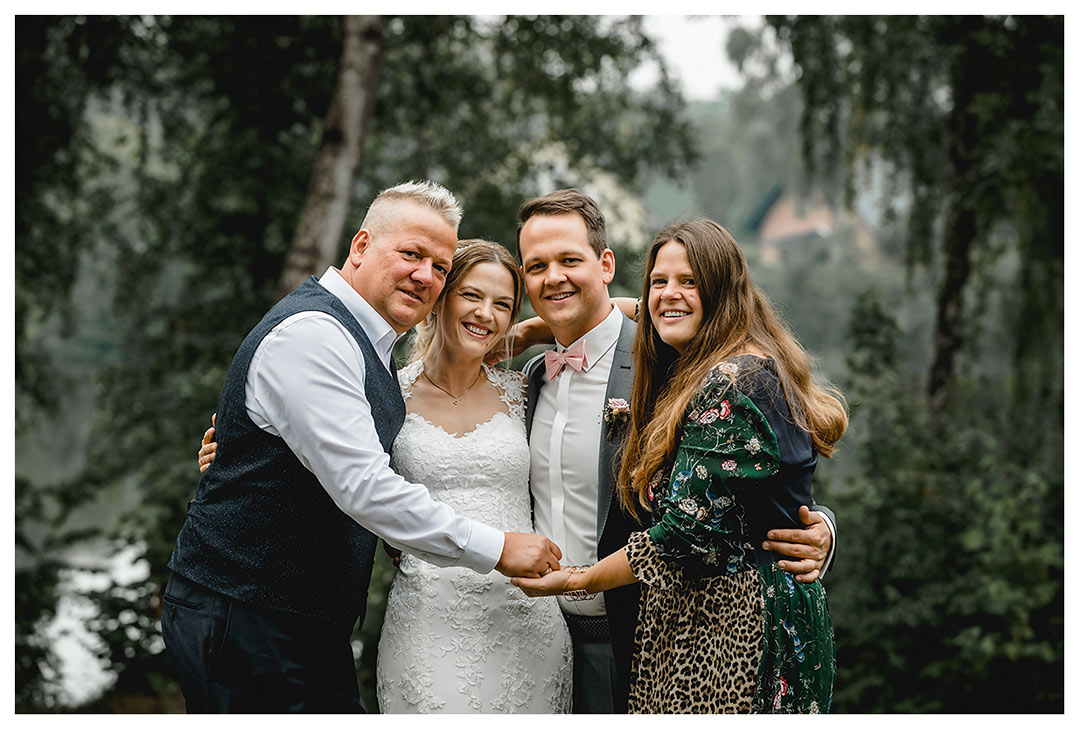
(620, 384)
(534, 371)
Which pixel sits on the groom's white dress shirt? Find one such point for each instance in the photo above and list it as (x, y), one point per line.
(305, 384)
(565, 446)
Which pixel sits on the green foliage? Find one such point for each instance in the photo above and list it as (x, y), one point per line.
(502, 110)
(951, 598)
(748, 147)
(37, 581)
(127, 623)
(967, 113)
(61, 63)
(40, 544)
(955, 602)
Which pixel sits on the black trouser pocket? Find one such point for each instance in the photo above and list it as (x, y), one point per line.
(194, 622)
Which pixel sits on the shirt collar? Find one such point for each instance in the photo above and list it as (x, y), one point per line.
(382, 335)
(599, 339)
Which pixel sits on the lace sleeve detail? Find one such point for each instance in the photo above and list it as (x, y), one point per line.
(511, 385)
(407, 376)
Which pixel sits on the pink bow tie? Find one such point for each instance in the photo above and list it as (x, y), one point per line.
(554, 361)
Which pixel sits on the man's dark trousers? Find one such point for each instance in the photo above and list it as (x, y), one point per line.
(234, 657)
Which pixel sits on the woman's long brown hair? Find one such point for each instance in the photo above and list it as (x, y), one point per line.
(736, 315)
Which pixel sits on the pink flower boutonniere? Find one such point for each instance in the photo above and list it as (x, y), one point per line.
(616, 412)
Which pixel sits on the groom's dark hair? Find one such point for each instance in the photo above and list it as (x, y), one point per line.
(570, 200)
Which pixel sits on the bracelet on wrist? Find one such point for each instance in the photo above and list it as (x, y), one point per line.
(580, 594)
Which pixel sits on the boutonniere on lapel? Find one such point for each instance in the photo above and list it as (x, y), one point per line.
(616, 413)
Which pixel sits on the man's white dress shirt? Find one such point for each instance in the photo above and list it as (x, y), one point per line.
(305, 384)
(565, 448)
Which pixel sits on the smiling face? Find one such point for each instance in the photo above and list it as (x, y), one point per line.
(674, 302)
(400, 269)
(565, 280)
(474, 317)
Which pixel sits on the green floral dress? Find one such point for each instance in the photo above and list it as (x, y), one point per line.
(720, 627)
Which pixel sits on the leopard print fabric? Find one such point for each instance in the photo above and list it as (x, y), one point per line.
(699, 640)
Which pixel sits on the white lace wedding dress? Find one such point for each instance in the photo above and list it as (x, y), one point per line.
(453, 640)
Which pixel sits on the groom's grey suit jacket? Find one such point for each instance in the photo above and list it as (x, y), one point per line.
(613, 525)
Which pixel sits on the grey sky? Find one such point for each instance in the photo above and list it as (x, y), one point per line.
(694, 48)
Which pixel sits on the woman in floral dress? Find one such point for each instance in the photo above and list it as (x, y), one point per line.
(726, 425)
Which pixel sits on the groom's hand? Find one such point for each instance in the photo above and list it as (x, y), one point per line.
(522, 336)
(808, 547)
(528, 556)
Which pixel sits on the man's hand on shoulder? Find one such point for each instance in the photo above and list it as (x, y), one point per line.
(522, 336)
(809, 547)
(526, 555)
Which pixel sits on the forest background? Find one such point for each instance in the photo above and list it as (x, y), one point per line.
(174, 175)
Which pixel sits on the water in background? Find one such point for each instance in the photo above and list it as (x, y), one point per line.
(82, 675)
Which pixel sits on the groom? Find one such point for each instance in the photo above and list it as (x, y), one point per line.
(575, 433)
(271, 568)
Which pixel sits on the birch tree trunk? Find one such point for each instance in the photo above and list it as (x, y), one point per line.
(961, 228)
(318, 232)
(960, 232)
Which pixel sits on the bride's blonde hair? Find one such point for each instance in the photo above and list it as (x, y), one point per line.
(469, 253)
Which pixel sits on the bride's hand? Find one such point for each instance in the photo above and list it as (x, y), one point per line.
(552, 584)
(208, 452)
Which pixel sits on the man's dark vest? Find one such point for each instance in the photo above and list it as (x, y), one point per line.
(261, 528)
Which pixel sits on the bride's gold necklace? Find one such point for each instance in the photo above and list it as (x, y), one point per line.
(455, 398)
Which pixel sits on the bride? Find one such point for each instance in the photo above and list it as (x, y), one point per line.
(454, 641)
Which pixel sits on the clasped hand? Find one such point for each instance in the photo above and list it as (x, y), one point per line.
(527, 555)
(554, 583)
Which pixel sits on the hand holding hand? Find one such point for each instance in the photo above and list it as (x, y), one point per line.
(809, 547)
(208, 452)
(552, 584)
(528, 555)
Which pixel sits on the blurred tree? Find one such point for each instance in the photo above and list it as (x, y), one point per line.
(969, 113)
(951, 598)
(952, 595)
(37, 583)
(62, 63)
(315, 243)
(745, 152)
(205, 133)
